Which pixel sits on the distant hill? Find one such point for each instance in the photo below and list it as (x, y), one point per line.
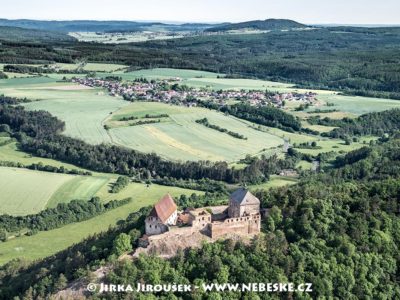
(269, 24)
(100, 26)
(16, 34)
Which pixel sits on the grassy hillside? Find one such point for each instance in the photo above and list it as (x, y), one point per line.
(179, 137)
(46, 243)
(28, 192)
(83, 109)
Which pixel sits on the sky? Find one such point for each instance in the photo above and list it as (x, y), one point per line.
(305, 11)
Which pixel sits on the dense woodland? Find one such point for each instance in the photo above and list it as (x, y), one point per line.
(269, 24)
(362, 61)
(340, 233)
(339, 229)
(268, 116)
(376, 123)
(40, 133)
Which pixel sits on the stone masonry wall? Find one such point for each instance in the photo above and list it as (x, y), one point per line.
(242, 226)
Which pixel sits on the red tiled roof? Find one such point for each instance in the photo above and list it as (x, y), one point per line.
(164, 208)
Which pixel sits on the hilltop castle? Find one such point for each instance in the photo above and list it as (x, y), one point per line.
(241, 217)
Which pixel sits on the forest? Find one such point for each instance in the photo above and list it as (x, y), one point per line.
(40, 133)
(376, 123)
(360, 61)
(338, 228)
(339, 232)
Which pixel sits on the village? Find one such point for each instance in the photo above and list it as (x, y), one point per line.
(171, 92)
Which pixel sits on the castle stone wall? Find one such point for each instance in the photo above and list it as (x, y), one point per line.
(154, 226)
(241, 225)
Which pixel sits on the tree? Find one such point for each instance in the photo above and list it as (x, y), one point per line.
(122, 244)
(134, 235)
(5, 128)
(270, 224)
(3, 235)
(61, 282)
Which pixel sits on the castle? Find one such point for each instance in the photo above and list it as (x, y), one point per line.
(241, 217)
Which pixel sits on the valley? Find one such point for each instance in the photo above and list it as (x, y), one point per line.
(279, 137)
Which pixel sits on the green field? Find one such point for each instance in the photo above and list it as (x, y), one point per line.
(46, 243)
(275, 181)
(181, 138)
(165, 73)
(92, 67)
(304, 165)
(358, 105)
(26, 191)
(119, 38)
(83, 109)
(319, 128)
(83, 188)
(336, 145)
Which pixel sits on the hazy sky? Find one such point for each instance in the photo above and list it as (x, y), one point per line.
(306, 11)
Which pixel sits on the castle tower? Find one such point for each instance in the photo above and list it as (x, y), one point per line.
(243, 203)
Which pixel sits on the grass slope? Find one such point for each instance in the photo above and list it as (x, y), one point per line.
(83, 109)
(46, 243)
(28, 192)
(78, 188)
(181, 138)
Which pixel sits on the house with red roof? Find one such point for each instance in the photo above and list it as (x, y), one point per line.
(163, 214)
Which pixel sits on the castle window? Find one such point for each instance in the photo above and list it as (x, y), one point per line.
(156, 226)
(150, 226)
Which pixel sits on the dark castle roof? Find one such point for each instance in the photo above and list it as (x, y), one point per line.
(242, 197)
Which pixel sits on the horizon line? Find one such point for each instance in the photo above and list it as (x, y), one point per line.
(174, 22)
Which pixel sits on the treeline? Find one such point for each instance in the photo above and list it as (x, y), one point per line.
(45, 168)
(35, 124)
(120, 184)
(266, 115)
(380, 162)
(26, 69)
(375, 123)
(63, 214)
(204, 184)
(236, 135)
(12, 100)
(352, 157)
(39, 133)
(146, 116)
(144, 122)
